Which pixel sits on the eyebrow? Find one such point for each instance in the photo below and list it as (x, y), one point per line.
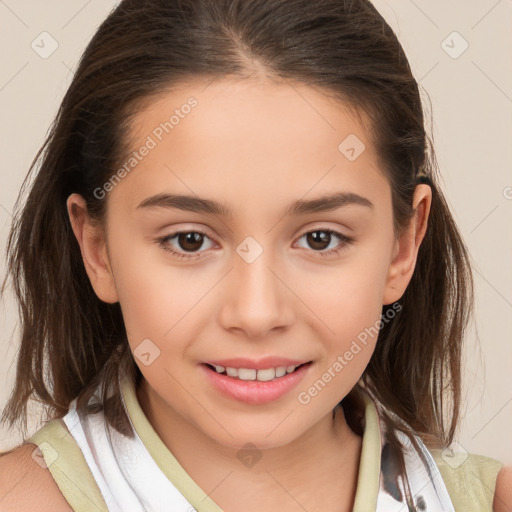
(301, 207)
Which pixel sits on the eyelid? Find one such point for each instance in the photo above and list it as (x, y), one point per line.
(335, 226)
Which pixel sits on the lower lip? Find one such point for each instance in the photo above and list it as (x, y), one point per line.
(254, 391)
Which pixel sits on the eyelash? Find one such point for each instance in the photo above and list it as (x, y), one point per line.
(345, 242)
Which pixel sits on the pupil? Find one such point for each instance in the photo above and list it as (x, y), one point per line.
(318, 239)
(195, 239)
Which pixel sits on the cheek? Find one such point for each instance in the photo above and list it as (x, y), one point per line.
(350, 293)
(346, 301)
(154, 295)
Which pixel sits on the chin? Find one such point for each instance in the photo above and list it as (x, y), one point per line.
(264, 437)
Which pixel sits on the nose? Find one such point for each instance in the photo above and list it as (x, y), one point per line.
(257, 299)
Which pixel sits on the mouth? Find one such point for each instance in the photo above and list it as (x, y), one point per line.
(255, 386)
(252, 374)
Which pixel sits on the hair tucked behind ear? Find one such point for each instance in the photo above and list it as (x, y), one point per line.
(70, 340)
(416, 366)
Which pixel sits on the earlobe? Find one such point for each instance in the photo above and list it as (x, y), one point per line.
(405, 251)
(93, 247)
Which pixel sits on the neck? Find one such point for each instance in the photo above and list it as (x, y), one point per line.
(321, 464)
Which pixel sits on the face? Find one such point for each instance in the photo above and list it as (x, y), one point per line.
(268, 273)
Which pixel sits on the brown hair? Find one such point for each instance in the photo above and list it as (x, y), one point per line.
(71, 340)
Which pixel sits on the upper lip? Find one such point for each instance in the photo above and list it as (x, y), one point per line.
(260, 364)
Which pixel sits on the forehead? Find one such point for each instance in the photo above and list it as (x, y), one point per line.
(251, 111)
(247, 139)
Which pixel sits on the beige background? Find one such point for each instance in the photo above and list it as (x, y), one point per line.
(472, 105)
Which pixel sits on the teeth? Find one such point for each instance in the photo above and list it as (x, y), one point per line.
(232, 372)
(252, 374)
(246, 374)
(280, 371)
(268, 374)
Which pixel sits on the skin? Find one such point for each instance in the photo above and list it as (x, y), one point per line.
(255, 145)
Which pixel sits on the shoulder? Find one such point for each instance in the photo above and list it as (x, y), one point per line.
(470, 479)
(503, 494)
(26, 483)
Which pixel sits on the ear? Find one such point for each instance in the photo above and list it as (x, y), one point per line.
(93, 247)
(405, 251)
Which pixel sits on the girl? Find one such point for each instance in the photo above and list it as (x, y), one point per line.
(240, 285)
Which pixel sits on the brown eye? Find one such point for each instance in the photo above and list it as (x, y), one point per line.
(191, 241)
(320, 239)
(184, 242)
